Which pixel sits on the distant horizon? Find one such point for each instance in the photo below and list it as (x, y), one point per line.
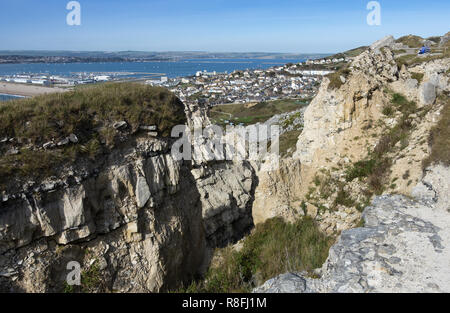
(164, 51)
(168, 51)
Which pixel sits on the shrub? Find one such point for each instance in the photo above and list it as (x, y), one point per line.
(388, 110)
(344, 198)
(360, 169)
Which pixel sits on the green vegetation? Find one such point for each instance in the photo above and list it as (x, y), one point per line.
(388, 110)
(290, 120)
(417, 76)
(89, 113)
(91, 278)
(91, 281)
(335, 78)
(413, 59)
(344, 198)
(350, 53)
(360, 169)
(260, 112)
(439, 139)
(435, 39)
(273, 248)
(288, 140)
(411, 41)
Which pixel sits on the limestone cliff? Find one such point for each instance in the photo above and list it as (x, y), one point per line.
(377, 111)
(345, 121)
(403, 247)
(139, 222)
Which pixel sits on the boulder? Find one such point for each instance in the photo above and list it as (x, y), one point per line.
(142, 192)
(148, 128)
(445, 39)
(48, 145)
(404, 246)
(427, 93)
(64, 142)
(73, 138)
(387, 41)
(119, 125)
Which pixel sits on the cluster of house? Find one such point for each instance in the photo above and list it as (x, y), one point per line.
(212, 88)
(48, 80)
(327, 61)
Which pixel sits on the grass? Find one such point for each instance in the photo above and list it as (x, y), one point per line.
(290, 120)
(91, 281)
(350, 53)
(335, 78)
(288, 141)
(435, 39)
(259, 113)
(344, 198)
(89, 113)
(412, 59)
(417, 76)
(388, 110)
(274, 247)
(411, 41)
(360, 169)
(439, 138)
(91, 278)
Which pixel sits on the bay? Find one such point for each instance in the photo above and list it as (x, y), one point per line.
(141, 69)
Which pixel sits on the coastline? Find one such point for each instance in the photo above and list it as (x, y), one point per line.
(22, 90)
(7, 94)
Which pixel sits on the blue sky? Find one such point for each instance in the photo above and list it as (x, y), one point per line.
(301, 26)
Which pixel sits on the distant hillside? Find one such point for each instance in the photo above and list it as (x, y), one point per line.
(160, 55)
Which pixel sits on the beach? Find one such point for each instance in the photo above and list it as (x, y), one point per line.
(27, 90)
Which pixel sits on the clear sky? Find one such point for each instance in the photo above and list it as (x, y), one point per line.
(300, 26)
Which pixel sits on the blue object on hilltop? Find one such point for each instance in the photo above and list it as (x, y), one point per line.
(424, 50)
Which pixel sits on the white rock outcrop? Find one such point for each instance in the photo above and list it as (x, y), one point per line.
(403, 247)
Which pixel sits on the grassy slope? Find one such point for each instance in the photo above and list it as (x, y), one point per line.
(261, 112)
(411, 41)
(273, 248)
(89, 113)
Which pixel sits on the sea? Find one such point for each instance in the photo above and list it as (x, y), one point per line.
(4, 97)
(144, 69)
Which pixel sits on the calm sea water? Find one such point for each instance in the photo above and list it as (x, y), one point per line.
(170, 69)
(4, 97)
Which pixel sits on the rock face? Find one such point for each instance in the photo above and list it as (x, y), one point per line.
(403, 247)
(276, 191)
(142, 222)
(341, 124)
(387, 41)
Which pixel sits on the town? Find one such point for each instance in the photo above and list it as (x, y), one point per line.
(289, 81)
(300, 80)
